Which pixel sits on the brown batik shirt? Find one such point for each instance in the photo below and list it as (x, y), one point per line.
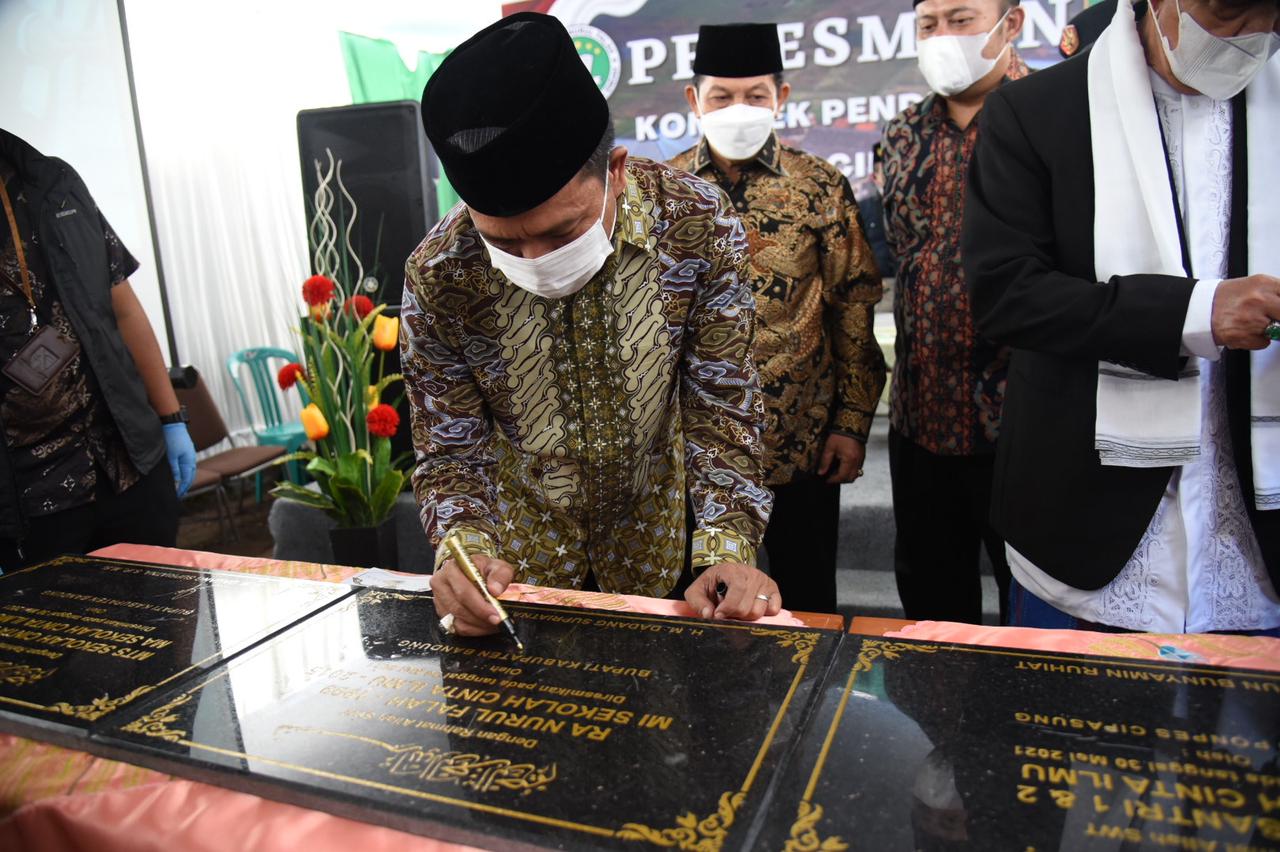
(816, 285)
(63, 440)
(563, 434)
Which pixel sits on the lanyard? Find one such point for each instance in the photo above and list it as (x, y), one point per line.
(22, 256)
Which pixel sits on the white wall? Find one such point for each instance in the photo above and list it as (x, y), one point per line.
(66, 92)
(219, 86)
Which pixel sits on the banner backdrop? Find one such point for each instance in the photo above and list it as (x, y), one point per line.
(851, 66)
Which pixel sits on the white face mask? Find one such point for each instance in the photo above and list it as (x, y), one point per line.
(565, 270)
(1217, 66)
(953, 63)
(737, 132)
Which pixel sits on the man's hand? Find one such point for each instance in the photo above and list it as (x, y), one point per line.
(1242, 308)
(455, 593)
(843, 457)
(751, 593)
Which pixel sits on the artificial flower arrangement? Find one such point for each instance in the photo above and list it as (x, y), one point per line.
(344, 415)
(343, 334)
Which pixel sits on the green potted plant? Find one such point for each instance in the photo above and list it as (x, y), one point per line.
(345, 337)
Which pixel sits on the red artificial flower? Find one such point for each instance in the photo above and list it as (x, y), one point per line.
(361, 305)
(289, 375)
(317, 290)
(383, 421)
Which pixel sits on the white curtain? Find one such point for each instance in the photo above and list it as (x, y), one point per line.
(219, 86)
(66, 93)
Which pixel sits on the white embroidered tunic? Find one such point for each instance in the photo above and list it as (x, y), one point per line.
(1198, 567)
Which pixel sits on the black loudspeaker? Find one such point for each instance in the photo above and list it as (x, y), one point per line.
(390, 172)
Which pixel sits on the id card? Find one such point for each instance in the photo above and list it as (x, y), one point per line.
(40, 359)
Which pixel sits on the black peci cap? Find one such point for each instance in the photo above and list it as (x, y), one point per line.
(513, 114)
(737, 50)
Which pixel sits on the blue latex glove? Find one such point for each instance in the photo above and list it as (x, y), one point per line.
(182, 455)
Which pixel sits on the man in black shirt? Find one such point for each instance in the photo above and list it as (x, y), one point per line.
(86, 407)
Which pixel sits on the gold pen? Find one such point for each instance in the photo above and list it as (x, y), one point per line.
(463, 559)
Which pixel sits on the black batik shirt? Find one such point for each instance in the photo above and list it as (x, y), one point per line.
(63, 442)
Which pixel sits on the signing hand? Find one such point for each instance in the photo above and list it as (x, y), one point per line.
(751, 593)
(1242, 308)
(455, 593)
(843, 457)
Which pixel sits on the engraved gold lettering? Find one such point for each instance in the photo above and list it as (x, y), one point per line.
(591, 732)
(1114, 832)
(648, 720)
(458, 693)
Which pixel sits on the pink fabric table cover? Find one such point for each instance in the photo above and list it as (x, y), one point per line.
(518, 592)
(1243, 652)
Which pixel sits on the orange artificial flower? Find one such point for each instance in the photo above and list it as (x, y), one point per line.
(314, 423)
(386, 332)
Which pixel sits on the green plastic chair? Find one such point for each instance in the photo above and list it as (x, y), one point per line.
(263, 364)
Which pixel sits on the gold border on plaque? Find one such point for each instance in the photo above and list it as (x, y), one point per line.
(156, 723)
(805, 836)
(104, 704)
(377, 596)
(688, 832)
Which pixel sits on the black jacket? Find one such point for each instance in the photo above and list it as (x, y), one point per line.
(1028, 258)
(75, 257)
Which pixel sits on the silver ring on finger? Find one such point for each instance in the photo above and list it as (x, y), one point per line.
(446, 624)
(765, 598)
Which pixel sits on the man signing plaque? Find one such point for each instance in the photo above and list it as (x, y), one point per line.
(577, 348)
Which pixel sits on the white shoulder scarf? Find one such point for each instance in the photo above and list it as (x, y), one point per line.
(1145, 421)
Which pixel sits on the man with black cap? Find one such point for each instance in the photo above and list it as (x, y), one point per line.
(816, 285)
(577, 348)
(948, 382)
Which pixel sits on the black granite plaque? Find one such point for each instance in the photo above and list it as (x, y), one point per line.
(81, 638)
(919, 746)
(610, 731)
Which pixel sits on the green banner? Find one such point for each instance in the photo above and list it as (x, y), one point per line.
(376, 73)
